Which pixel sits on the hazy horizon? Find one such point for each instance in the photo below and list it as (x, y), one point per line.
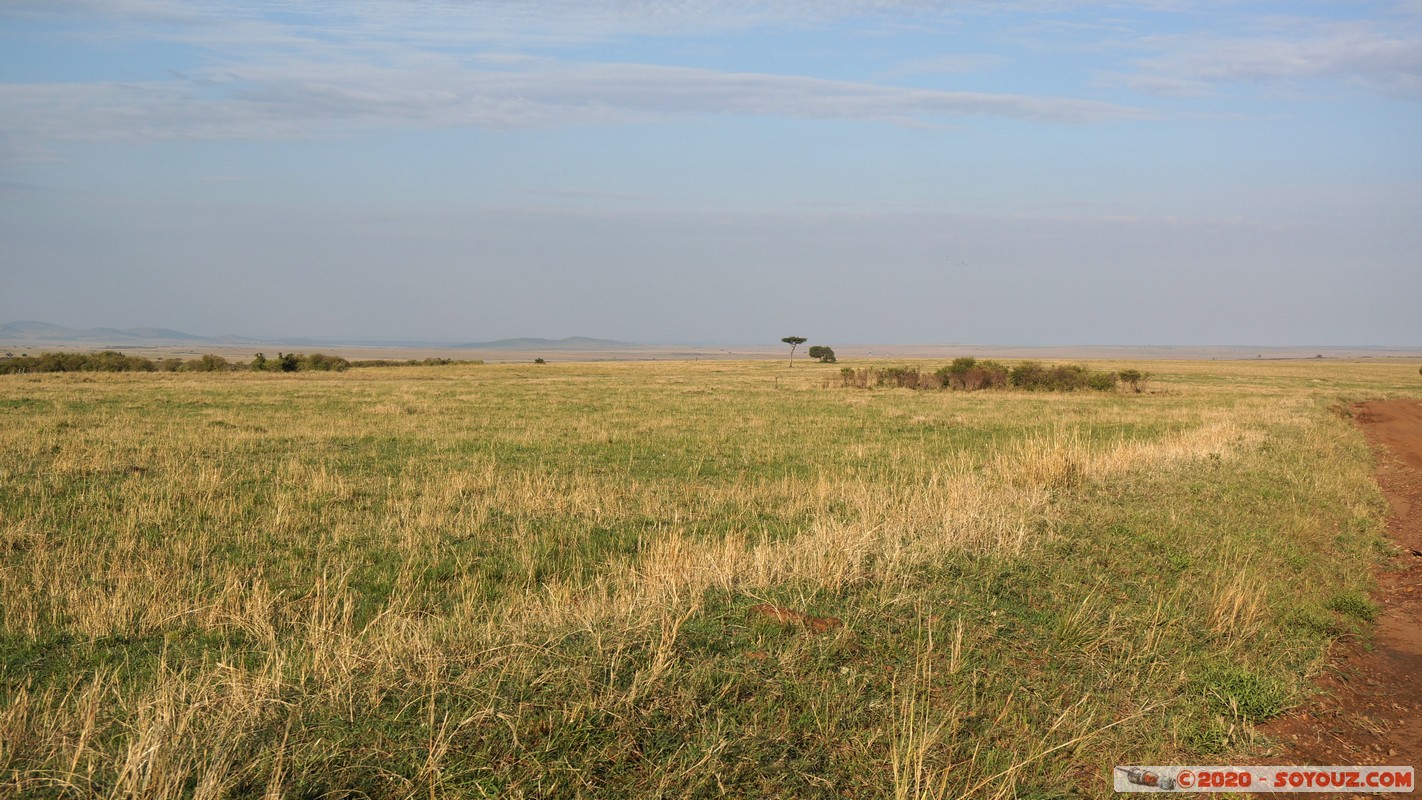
(236, 341)
(860, 172)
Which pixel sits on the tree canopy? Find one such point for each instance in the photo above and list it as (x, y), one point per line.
(794, 342)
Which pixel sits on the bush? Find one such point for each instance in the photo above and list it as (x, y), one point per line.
(413, 362)
(113, 361)
(1102, 381)
(824, 354)
(208, 363)
(970, 374)
(300, 362)
(907, 378)
(1029, 375)
(1033, 376)
(320, 362)
(902, 377)
(1133, 378)
(989, 375)
(106, 361)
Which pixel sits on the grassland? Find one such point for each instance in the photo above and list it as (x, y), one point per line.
(520, 581)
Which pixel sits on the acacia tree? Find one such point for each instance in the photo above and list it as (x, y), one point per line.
(824, 354)
(1133, 378)
(794, 342)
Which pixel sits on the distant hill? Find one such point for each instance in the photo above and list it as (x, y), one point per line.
(28, 329)
(533, 343)
(152, 333)
(32, 331)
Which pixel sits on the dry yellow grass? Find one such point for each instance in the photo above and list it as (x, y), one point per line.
(490, 581)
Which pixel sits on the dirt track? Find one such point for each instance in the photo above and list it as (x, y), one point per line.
(1370, 709)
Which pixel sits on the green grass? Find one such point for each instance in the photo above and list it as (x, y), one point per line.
(518, 581)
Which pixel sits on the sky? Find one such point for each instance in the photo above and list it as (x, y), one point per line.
(1042, 172)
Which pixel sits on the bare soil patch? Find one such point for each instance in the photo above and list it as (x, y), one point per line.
(1369, 711)
(789, 616)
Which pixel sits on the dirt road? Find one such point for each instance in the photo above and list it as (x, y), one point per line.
(1370, 709)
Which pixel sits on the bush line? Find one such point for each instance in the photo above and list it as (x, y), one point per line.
(114, 361)
(970, 375)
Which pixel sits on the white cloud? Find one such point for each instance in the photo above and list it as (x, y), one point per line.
(289, 101)
(1386, 59)
(526, 21)
(532, 22)
(321, 68)
(947, 64)
(1163, 85)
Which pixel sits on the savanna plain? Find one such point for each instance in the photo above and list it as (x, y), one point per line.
(536, 581)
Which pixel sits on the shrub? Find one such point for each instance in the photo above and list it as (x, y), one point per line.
(824, 354)
(113, 361)
(1069, 377)
(208, 363)
(320, 362)
(891, 376)
(970, 374)
(12, 364)
(300, 362)
(1029, 375)
(413, 362)
(849, 377)
(954, 372)
(1133, 378)
(106, 361)
(907, 378)
(1102, 381)
(989, 375)
(1033, 376)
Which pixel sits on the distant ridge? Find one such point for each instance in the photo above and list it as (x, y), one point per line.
(31, 331)
(151, 333)
(32, 328)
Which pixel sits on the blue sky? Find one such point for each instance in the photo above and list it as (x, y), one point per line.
(850, 170)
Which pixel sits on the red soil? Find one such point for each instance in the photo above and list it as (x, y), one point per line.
(1369, 711)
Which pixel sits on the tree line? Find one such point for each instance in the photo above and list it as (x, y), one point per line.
(109, 361)
(114, 361)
